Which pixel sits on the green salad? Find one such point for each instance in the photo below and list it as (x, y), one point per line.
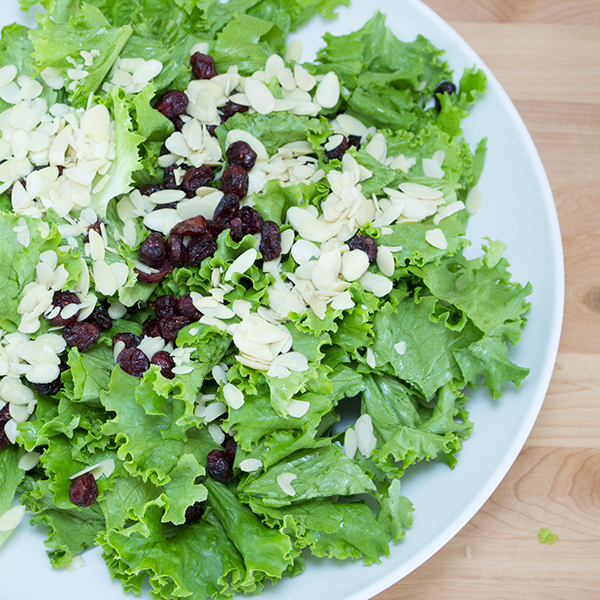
(235, 305)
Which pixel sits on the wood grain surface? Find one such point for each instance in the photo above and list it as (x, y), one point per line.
(546, 54)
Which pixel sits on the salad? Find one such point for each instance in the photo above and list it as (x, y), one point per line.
(236, 307)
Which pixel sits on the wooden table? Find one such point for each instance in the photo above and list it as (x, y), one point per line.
(546, 54)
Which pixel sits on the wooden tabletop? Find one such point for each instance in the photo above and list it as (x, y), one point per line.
(546, 54)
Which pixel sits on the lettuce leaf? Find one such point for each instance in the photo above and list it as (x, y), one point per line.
(10, 478)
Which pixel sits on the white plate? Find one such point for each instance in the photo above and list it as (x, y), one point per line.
(519, 210)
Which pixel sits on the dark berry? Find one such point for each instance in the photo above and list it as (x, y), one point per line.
(169, 181)
(165, 306)
(81, 335)
(153, 250)
(270, 240)
(163, 271)
(171, 326)
(193, 226)
(354, 140)
(212, 130)
(194, 512)
(62, 299)
(203, 66)
(230, 449)
(150, 188)
(365, 243)
(218, 467)
(175, 249)
(241, 153)
(166, 363)
(186, 308)
(235, 181)
(446, 87)
(129, 339)
(339, 151)
(227, 209)
(195, 178)
(231, 108)
(251, 219)
(151, 328)
(236, 229)
(100, 318)
(133, 361)
(96, 227)
(172, 103)
(84, 490)
(4, 419)
(177, 123)
(198, 250)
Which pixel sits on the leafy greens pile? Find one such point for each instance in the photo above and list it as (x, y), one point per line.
(455, 315)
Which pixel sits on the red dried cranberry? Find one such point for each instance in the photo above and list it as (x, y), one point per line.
(150, 188)
(175, 249)
(133, 361)
(49, 389)
(165, 306)
(446, 87)
(62, 299)
(241, 153)
(151, 328)
(270, 240)
(339, 151)
(194, 512)
(231, 108)
(355, 140)
(212, 130)
(129, 339)
(193, 226)
(251, 219)
(198, 250)
(177, 123)
(4, 419)
(100, 318)
(84, 490)
(4, 441)
(230, 449)
(196, 178)
(203, 66)
(365, 243)
(172, 103)
(227, 209)
(235, 181)
(186, 308)
(166, 363)
(81, 335)
(153, 250)
(236, 227)
(218, 467)
(164, 270)
(171, 326)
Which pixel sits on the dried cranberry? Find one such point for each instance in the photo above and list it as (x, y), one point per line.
(129, 339)
(153, 250)
(169, 181)
(365, 243)
(446, 87)
(212, 130)
(166, 363)
(194, 512)
(164, 270)
(172, 103)
(230, 449)
(100, 318)
(193, 226)
(198, 250)
(133, 361)
(150, 188)
(235, 181)
(84, 490)
(177, 123)
(171, 326)
(339, 151)
(82, 335)
(203, 66)
(231, 108)
(227, 209)
(175, 249)
(4, 419)
(62, 299)
(196, 178)
(236, 227)
(186, 308)
(354, 140)
(96, 227)
(251, 219)
(165, 306)
(241, 153)
(218, 467)
(49, 389)
(270, 240)
(151, 328)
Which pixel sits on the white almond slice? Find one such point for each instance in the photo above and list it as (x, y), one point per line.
(297, 408)
(400, 163)
(315, 230)
(342, 302)
(166, 196)
(250, 465)
(7, 75)
(304, 80)
(117, 349)
(436, 238)
(474, 200)
(284, 105)
(423, 192)
(76, 563)
(105, 467)
(287, 239)
(377, 284)
(97, 250)
(351, 125)
(432, 169)
(29, 460)
(370, 358)
(214, 411)
(367, 442)
(377, 147)
(287, 80)
(201, 47)
(43, 373)
(303, 251)
(11, 518)
(236, 135)
(219, 374)
(310, 109)
(294, 51)
(213, 322)
(447, 211)
(162, 220)
(385, 261)
(260, 97)
(400, 348)
(350, 443)
(104, 279)
(439, 157)
(147, 71)
(120, 272)
(99, 122)
(273, 66)
(354, 264)
(284, 481)
(16, 393)
(216, 433)
(11, 431)
(242, 263)
(233, 396)
(333, 142)
(328, 91)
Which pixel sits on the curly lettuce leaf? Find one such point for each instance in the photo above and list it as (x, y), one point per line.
(10, 478)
